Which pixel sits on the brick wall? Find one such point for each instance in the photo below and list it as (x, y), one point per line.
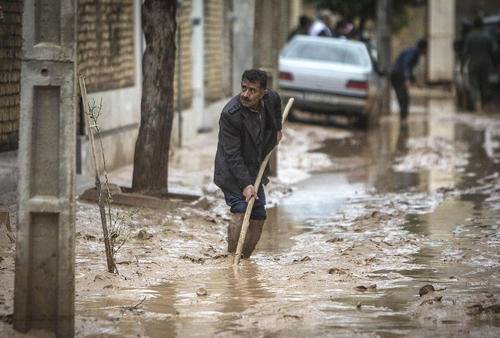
(214, 24)
(186, 30)
(106, 43)
(227, 57)
(10, 71)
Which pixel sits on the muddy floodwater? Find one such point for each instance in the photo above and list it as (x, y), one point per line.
(388, 233)
(348, 251)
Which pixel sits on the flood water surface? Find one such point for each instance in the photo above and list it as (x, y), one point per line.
(348, 251)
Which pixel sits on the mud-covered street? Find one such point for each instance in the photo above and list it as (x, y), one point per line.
(393, 232)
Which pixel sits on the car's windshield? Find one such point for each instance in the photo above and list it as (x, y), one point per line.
(328, 52)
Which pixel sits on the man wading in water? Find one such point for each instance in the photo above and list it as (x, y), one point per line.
(249, 127)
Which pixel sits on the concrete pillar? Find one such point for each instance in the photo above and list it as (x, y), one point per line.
(243, 32)
(44, 280)
(296, 10)
(198, 59)
(384, 56)
(441, 33)
(269, 37)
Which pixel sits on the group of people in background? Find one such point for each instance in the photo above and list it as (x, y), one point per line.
(323, 26)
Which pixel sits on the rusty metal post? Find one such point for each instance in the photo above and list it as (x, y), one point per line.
(44, 281)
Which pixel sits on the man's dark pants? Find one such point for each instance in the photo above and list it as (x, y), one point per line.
(257, 219)
(398, 83)
(479, 80)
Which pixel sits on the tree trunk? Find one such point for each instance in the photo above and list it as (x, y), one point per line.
(158, 64)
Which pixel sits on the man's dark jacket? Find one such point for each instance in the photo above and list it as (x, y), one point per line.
(237, 160)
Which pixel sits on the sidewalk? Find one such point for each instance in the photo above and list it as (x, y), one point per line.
(190, 166)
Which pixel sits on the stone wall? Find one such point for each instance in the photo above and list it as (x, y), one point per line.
(10, 71)
(106, 43)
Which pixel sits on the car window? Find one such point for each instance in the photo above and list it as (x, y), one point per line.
(327, 52)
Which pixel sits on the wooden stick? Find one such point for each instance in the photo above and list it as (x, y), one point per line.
(107, 243)
(246, 219)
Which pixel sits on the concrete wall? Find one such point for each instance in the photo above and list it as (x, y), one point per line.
(243, 26)
(441, 33)
(408, 36)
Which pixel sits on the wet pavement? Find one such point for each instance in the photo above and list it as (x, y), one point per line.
(347, 252)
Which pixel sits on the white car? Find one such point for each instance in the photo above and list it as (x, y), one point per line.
(329, 75)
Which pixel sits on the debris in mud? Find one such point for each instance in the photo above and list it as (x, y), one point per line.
(198, 260)
(219, 256)
(201, 292)
(203, 203)
(334, 239)
(89, 237)
(358, 306)
(124, 262)
(339, 271)
(303, 259)
(426, 289)
(8, 318)
(135, 309)
(431, 301)
(362, 288)
(292, 316)
(477, 309)
(144, 235)
(101, 277)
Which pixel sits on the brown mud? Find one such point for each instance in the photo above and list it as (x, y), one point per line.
(359, 223)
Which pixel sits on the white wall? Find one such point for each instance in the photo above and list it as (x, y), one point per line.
(441, 33)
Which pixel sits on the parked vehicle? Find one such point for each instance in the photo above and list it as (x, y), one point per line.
(329, 76)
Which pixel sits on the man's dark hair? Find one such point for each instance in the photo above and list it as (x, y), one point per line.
(422, 44)
(255, 75)
(304, 21)
(478, 22)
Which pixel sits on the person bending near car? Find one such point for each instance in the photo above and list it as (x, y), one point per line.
(249, 127)
(402, 74)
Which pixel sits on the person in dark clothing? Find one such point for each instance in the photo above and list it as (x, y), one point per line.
(305, 23)
(479, 57)
(458, 44)
(402, 74)
(249, 128)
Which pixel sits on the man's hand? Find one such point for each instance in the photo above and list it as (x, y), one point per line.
(279, 136)
(407, 84)
(248, 192)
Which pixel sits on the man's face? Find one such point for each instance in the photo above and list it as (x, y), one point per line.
(251, 94)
